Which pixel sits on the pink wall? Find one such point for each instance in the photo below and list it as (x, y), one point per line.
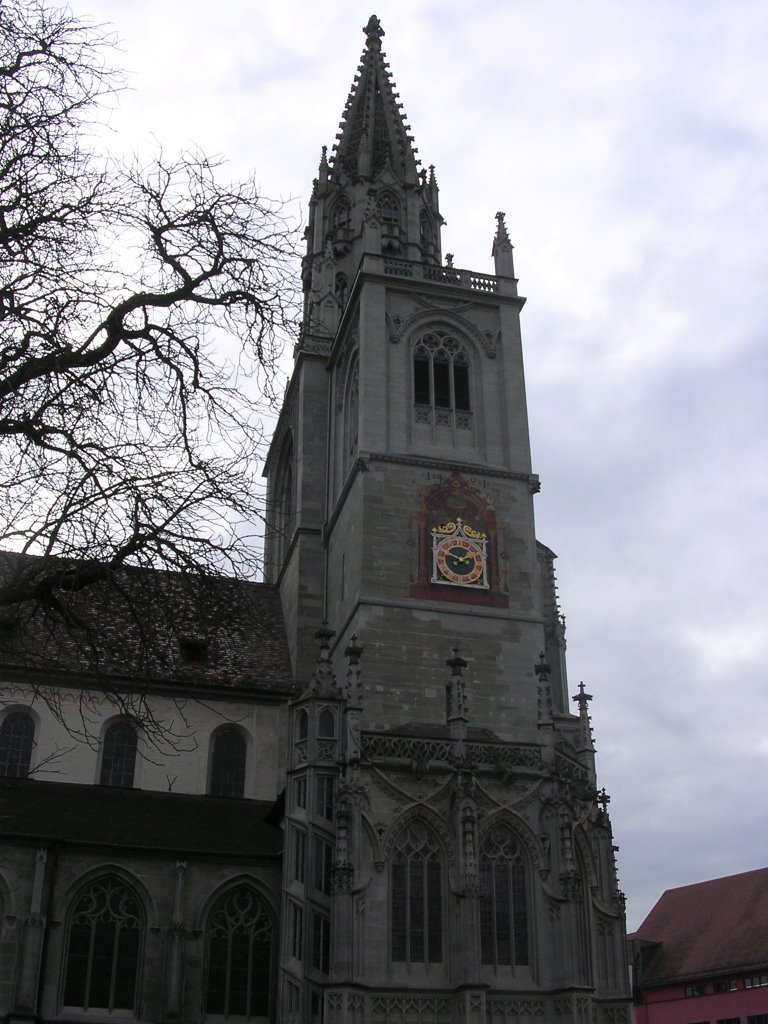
(669, 1005)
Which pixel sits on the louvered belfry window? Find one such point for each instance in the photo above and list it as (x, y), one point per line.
(503, 900)
(417, 904)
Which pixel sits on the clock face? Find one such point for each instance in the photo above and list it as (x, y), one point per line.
(459, 560)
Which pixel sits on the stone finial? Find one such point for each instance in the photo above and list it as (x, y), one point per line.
(323, 169)
(457, 706)
(542, 670)
(502, 249)
(374, 32)
(323, 682)
(586, 742)
(352, 653)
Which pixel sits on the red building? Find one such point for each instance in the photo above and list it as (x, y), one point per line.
(701, 955)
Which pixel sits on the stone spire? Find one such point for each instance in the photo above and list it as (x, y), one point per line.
(323, 682)
(502, 249)
(373, 131)
(586, 745)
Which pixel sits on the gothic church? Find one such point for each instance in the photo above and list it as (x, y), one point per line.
(380, 803)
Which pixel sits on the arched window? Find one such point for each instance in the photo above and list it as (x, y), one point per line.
(341, 290)
(503, 900)
(342, 213)
(326, 724)
(284, 502)
(351, 414)
(425, 229)
(17, 737)
(302, 725)
(388, 208)
(240, 949)
(105, 937)
(228, 763)
(417, 897)
(118, 754)
(441, 373)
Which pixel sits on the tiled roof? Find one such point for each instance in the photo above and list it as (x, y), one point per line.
(715, 927)
(153, 626)
(135, 819)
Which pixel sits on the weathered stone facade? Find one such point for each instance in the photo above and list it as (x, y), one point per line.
(414, 515)
(379, 802)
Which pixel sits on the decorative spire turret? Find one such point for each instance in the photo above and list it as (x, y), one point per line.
(354, 695)
(457, 709)
(323, 682)
(502, 249)
(373, 131)
(586, 742)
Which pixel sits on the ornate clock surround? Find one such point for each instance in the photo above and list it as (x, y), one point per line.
(457, 546)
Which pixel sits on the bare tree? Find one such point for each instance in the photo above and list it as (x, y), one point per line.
(134, 302)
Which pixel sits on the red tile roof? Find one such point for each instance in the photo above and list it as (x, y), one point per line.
(137, 626)
(711, 928)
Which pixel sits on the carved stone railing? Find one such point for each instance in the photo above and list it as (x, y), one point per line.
(569, 769)
(505, 755)
(407, 748)
(442, 275)
(493, 756)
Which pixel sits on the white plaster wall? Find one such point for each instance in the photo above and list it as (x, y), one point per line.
(175, 738)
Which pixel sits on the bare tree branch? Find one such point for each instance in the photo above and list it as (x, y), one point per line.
(133, 302)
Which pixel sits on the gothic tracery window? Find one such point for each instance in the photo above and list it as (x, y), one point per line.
(441, 378)
(240, 952)
(503, 900)
(388, 208)
(228, 757)
(342, 213)
(416, 897)
(118, 754)
(17, 737)
(104, 944)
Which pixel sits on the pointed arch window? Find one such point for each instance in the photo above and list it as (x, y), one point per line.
(426, 235)
(240, 957)
(326, 724)
(351, 414)
(17, 738)
(228, 756)
(105, 936)
(416, 897)
(118, 754)
(388, 208)
(441, 379)
(341, 290)
(503, 900)
(283, 517)
(342, 213)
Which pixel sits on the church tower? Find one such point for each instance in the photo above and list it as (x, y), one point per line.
(448, 856)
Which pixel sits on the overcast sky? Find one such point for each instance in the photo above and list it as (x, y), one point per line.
(628, 144)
